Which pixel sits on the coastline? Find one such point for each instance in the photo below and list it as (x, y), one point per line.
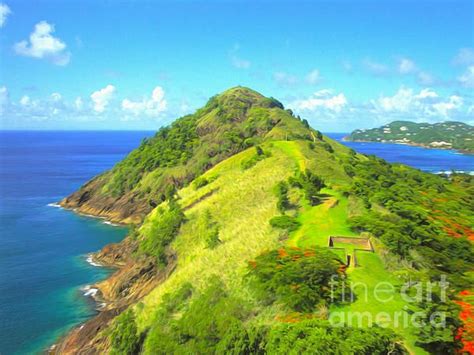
(413, 144)
(90, 291)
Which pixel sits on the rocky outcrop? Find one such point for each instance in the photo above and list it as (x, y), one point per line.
(89, 200)
(134, 278)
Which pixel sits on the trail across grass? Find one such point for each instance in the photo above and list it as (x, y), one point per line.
(330, 219)
(320, 222)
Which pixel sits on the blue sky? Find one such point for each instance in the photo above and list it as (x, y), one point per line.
(141, 64)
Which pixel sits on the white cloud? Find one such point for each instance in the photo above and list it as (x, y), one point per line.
(102, 97)
(465, 56)
(426, 103)
(42, 44)
(406, 66)
(3, 99)
(467, 78)
(443, 108)
(323, 99)
(4, 12)
(375, 67)
(313, 77)
(25, 100)
(149, 106)
(55, 96)
(78, 103)
(285, 79)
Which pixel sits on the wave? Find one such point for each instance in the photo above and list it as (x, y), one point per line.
(111, 224)
(89, 291)
(54, 204)
(90, 260)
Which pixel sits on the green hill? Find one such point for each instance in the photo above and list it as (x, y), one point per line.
(232, 255)
(446, 135)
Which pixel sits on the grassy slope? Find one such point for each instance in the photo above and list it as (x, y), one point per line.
(235, 193)
(320, 222)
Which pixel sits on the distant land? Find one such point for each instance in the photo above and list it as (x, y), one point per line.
(444, 135)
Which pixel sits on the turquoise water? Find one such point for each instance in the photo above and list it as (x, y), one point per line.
(43, 249)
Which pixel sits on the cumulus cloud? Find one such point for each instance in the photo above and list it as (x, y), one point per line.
(322, 99)
(406, 66)
(465, 56)
(102, 97)
(43, 45)
(152, 106)
(25, 100)
(425, 103)
(4, 12)
(467, 78)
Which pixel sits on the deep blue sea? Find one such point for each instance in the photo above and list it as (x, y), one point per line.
(43, 249)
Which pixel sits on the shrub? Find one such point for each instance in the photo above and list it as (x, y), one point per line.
(282, 194)
(162, 232)
(285, 222)
(124, 336)
(301, 279)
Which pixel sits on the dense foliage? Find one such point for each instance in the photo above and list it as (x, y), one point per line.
(423, 215)
(162, 232)
(319, 337)
(124, 335)
(311, 185)
(301, 279)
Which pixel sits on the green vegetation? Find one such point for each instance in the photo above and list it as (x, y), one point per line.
(301, 279)
(253, 198)
(319, 337)
(259, 155)
(124, 336)
(285, 222)
(162, 232)
(455, 135)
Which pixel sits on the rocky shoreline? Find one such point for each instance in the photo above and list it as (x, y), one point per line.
(135, 276)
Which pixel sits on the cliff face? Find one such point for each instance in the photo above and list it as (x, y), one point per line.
(229, 123)
(134, 278)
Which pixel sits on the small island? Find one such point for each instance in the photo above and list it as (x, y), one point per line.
(443, 135)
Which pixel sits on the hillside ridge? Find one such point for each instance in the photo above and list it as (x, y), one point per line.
(442, 135)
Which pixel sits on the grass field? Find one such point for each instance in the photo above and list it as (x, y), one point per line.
(242, 202)
(329, 219)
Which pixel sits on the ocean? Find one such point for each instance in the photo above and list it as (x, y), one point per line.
(43, 249)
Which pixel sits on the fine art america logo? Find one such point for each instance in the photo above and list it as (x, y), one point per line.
(382, 294)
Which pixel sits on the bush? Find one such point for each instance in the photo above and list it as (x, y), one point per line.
(259, 155)
(282, 194)
(162, 232)
(285, 222)
(319, 337)
(124, 337)
(301, 279)
(212, 231)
